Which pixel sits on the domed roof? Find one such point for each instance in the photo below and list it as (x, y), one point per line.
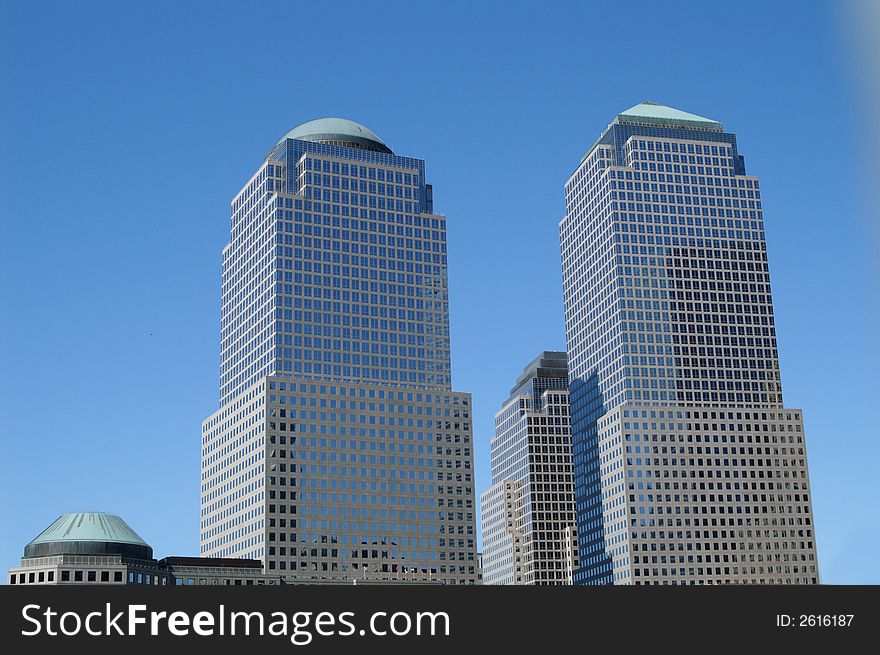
(339, 131)
(88, 533)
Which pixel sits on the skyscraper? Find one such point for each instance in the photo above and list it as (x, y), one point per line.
(688, 468)
(529, 533)
(339, 449)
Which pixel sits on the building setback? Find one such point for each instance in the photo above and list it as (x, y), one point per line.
(688, 468)
(339, 450)
(528, 519)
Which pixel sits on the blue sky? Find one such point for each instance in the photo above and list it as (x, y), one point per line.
(126, 128)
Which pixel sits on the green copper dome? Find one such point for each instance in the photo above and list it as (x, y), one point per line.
(88, 533)
(338, 131)
(651, 112)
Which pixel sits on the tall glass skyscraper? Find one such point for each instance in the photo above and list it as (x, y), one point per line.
(688, 469)
(529, 533)
(339, 450)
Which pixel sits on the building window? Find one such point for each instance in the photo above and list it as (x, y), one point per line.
(117, 576)
(131, 577)
(105, 576)
(50, 576)
(93, 576)
(65, 576)
(77, 576)
(41, 577)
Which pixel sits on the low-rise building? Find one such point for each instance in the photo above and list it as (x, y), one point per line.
(98, 548)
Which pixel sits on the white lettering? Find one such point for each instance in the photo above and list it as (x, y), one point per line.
(178, 624)
(373, 624)
(77, 622)
(258, 616)
(112, 623)
(94, 633)
(433, 616)
(278, 627)
(154, 621)
(394, 618)
(49, 614)
(299, 636)
(203, 624)
(343, 620)
(134, 619)
(24, 615)
(322, 619)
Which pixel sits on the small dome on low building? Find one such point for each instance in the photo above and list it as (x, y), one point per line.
(89, 533)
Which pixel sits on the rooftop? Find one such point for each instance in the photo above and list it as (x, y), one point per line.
(651, 112)
(213, 562)
(339, 131)
(89, 526)
(88, 533)
(549, 364)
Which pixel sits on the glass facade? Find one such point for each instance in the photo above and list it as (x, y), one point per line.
(339, 449)
(529, 533)
(336, 269)
(667, 304)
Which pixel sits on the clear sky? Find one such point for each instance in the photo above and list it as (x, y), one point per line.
(126, 129)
